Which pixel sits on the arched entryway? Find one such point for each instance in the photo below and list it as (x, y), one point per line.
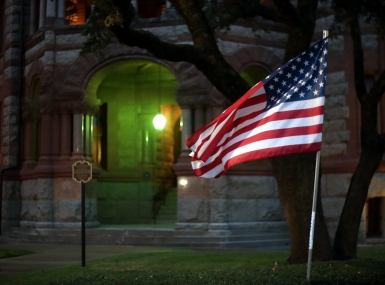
(134, 159)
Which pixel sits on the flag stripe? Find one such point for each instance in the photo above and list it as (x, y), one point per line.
(263, 141)
(282, 114)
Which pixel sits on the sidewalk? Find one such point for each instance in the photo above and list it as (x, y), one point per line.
(49, 255)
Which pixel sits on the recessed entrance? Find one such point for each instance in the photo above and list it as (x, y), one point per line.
(134, 158)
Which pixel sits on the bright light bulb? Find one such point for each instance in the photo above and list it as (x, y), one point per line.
(183, 182)
(159, 122)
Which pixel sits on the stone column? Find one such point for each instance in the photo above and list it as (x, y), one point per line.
(60, 10)
(46, 135)
(32, 17)
(199, 118)
(42, 14)
(30, 117)
(187, 128)
(148, 139)
(65, 142)
(56, 130)
(78, 136)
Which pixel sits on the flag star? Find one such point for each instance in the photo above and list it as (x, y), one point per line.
(284, 83)
(325, 51)
(307, 74)
(280, 72)
(288, 75)
(293, 67)
(306, 63)
(271, 87)
(296, 79)
(311, 54)
(321, 84)
(296, 89)
(316, 46)
(315, 92)
(325, 64)
(313, 66)
(275, 79)
(308, 87)
(321, 71)
(298, 59)
(303, 83)
(272, 98)
(321, 59)
(288, 96)
(301, 70)
(278, 90)
(301, 94)
(315, 80)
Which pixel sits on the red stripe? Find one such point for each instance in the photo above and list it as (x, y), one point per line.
(259, 137)
(275, 117)
(265, 153)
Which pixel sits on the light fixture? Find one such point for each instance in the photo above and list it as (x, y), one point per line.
(183, 182)
(159, 122)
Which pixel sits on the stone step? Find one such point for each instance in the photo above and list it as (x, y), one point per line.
(149, 237)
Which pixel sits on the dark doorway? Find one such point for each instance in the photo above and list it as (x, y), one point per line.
(374, 217)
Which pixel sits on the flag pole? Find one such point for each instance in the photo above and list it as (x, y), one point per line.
(314, 206)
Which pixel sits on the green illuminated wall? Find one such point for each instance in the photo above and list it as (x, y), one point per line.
(139, 158)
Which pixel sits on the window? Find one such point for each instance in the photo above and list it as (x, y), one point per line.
(374, 217)
(77, 11)
(151, 8)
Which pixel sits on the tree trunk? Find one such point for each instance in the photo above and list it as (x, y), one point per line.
(372, 149)
(345, 242)
(295, 178)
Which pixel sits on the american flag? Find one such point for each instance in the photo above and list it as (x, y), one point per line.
(281, 115)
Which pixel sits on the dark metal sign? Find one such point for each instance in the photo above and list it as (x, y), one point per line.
(82, 171)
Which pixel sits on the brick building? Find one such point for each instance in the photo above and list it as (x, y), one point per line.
(58, 107)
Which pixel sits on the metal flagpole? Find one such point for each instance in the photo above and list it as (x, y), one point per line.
(314, 206)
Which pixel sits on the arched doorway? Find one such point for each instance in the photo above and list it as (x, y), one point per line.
(134, 159)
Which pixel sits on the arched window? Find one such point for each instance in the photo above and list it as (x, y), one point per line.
(150, 8)
(77, 11)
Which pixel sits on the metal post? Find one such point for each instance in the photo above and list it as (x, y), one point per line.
(314, 207)
(83, 225)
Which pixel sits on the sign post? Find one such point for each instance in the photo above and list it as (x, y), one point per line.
(82, 173)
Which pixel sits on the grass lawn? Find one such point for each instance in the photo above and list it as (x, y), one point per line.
(4, 253)
(181, 266)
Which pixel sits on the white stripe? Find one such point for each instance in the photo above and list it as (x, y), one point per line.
(213, 135)
(290, 106)
(259, 91)
(277, 125)
(210, 132)
(257, 146)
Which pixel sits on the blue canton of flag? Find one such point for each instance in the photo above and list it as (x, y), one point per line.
(302, 78)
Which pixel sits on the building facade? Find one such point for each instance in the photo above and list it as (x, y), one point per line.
(59, 107)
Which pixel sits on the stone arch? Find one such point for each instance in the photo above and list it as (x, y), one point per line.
(254, 55)
(189, 78)
(35, 72)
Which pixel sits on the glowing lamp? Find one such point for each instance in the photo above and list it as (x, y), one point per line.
(159, 122)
